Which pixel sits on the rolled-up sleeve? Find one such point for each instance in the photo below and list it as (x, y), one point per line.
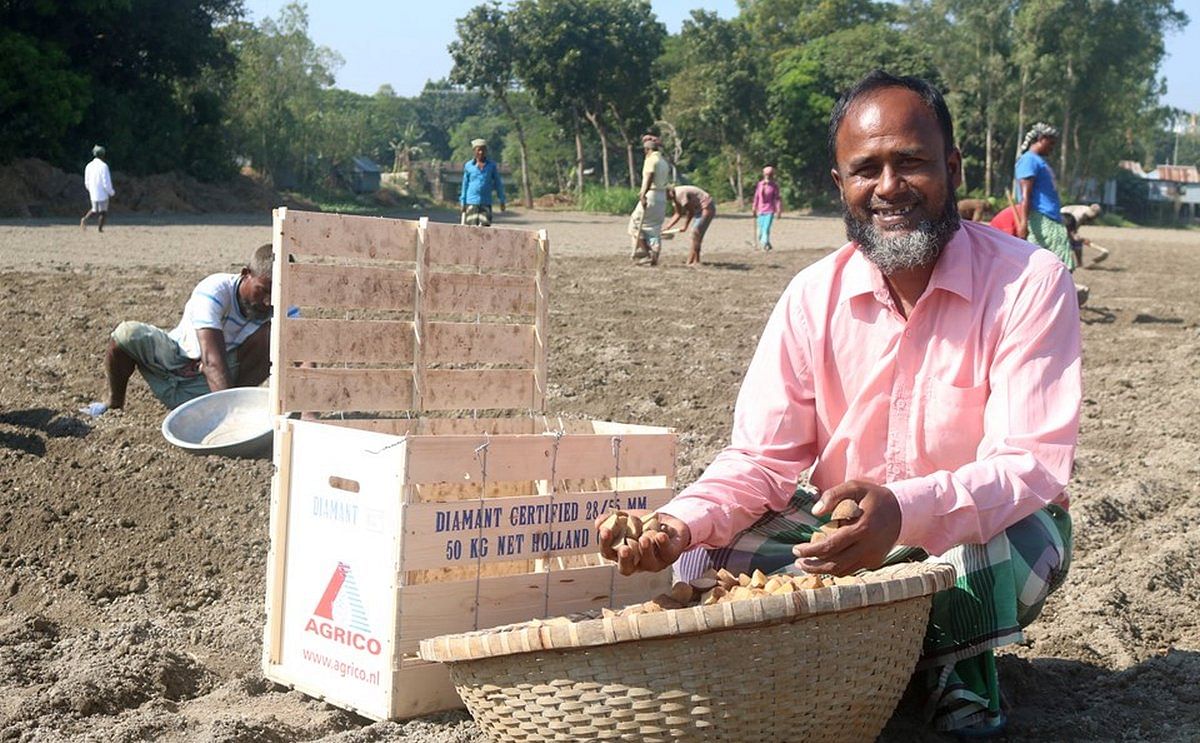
(1031, 426)
(773, 441)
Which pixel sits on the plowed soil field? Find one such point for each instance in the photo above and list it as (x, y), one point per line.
(132, 573)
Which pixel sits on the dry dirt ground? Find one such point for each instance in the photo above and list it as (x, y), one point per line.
(132, 574)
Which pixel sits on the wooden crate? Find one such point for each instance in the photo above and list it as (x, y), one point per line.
(438, 497)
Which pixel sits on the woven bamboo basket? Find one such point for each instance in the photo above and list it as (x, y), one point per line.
(821, 666)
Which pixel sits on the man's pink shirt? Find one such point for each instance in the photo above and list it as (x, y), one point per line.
(968, 410)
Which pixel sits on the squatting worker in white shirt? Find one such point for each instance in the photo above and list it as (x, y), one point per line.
(98, 181)
(223, 340)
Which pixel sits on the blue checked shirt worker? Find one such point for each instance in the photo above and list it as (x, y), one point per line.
(480, 178)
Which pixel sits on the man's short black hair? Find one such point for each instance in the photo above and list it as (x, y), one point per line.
(878, 80)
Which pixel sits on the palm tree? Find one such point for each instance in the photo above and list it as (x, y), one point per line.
(408, 147)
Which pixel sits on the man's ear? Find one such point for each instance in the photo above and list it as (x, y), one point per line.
(954, 168)
(837, 181)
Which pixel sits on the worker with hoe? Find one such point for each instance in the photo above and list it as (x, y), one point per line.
(222, 341)
(481, 177)
(929, 370)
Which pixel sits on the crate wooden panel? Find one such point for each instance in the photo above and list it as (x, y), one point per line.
(382, 540)
(398, 315)
(435, 495)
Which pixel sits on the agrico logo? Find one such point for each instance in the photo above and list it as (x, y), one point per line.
(339, 615)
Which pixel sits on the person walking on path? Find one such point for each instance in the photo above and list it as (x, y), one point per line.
(645, 224)
(768, 205)
(98, 181)
(929, 370)
(222, 341)
(481, 177)
(692, 202)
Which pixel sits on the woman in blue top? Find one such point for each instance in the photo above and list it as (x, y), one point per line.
(480, 178)
(1038, 217)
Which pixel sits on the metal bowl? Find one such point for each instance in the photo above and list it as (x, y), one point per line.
(231, 423)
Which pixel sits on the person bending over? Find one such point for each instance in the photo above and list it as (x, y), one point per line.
(691, 202)
(222, 341)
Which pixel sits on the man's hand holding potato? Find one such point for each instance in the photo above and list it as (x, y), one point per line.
(641, 541)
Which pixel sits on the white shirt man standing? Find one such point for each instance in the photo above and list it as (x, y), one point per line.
(98, 181)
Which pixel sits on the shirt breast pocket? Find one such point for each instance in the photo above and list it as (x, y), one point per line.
(951, 424)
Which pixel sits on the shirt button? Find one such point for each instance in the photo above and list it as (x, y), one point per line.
(899, 404)
(908, 333)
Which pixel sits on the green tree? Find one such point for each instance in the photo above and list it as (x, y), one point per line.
(141, 76)
(277, 119)
(41, 97)
(439, 108)
(787, 24)
(631, 98)
(484, 56)
(568, 49)
(971, 44)
(1091, 67)
(718, 96)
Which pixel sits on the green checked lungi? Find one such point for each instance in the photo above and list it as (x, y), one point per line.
(173, 377)
(1001, 588)
(1051, 235)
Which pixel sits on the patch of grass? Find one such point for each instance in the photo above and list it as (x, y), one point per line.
(615, 200)
(1108, 219)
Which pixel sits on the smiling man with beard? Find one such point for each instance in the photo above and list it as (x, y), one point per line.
(928, 370)
(222, 341)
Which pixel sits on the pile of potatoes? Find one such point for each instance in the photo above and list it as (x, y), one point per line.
(721, 586)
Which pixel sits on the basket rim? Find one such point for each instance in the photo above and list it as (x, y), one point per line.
(886, 585)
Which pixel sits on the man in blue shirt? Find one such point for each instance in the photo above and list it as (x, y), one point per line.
(1038, 217)
(480, 177)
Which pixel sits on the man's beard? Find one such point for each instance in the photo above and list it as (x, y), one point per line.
(256, 313)
(893, 252)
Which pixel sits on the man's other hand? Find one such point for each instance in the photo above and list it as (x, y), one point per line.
(862, 544)
(654, 550)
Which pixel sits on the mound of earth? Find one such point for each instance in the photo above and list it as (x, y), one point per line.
(34, 188)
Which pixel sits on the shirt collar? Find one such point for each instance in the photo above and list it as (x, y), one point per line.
(952, 272)
(953, 269)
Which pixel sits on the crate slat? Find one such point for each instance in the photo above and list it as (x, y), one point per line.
(349, 287)
(439, 426)
(541, 322)
(495, 529)
(581, 456)
(478, 389)
(348, 236)
(328, 389)
(422, 688)
(479, 343)
(351, 341)
(470, 294)
(433, 609)
(489, 249)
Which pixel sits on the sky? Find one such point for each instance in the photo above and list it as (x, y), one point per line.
(387, 42)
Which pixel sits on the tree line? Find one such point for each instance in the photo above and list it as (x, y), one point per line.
(563, 89)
